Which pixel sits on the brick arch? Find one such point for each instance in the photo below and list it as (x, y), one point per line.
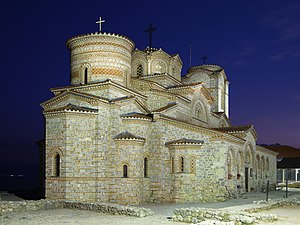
(56, 158)
(199, 111)
(136, 63)
(121, 168)
(86, 73)
(54, 150)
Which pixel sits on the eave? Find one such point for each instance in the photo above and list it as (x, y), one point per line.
(97, 85)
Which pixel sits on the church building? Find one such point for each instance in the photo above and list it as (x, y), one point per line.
(131, 129)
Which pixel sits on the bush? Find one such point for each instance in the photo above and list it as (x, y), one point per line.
(295, 185)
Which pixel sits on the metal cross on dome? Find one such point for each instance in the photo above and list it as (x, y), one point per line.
(204, 58)
(150, 30)
(100, 23)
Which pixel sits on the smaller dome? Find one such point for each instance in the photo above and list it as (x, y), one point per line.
(211, 68)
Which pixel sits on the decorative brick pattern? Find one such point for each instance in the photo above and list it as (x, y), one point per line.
(107, 71)
(103, 139)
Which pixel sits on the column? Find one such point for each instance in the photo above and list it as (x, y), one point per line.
(227, 98)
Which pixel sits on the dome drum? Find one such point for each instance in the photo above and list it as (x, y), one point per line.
(100, 56)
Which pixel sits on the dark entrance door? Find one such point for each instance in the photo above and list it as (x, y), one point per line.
(246, 178)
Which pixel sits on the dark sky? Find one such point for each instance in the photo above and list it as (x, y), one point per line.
(256, 42)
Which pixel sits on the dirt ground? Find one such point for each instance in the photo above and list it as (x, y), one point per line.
(287, 215)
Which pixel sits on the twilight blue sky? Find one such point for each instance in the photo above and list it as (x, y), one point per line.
(256, 42)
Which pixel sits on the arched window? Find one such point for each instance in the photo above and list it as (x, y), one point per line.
(158, 67)
(56, 165)
(181, 164)
(193, 165)
(199, 113)
(125, 171)
(85, 75)
(145, 167)
(139, 70)
(172, 164)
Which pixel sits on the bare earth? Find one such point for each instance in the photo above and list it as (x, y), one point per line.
(287, 216)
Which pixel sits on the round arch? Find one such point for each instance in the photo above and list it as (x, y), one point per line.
(139, 67)
(199, 111)
(158, 66)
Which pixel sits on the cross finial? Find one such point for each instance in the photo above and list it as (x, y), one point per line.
(100, 23)
(204, 58)
(150, 30)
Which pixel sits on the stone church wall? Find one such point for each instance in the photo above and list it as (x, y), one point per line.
(55, 138)
(99, 154)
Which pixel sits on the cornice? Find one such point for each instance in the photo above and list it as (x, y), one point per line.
(88, 36)
(126, 137)
(68, 112)
(206, 67)
(98, 85)
(184, 143)
(136, 116)
(150, 83)
(161, 76)
(78, 95)
(169, 94)
(214, 135)
(262, 149)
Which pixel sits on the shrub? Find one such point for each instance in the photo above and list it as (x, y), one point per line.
(295, 185)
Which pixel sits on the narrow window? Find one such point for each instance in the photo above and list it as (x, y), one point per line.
(192, 165)
(145, 167)
(125, 171)
(85, 75)
(139, 70)
(181, 164)
(172, 164)
(56, 165)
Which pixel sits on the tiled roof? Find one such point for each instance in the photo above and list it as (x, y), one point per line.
(170, 105)
(238, 129)
(184, 86)
(160, 76)
(219, 113)
(185, 141)
(77, 88)
(136, 115)
(284, 151)
(128, 136)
